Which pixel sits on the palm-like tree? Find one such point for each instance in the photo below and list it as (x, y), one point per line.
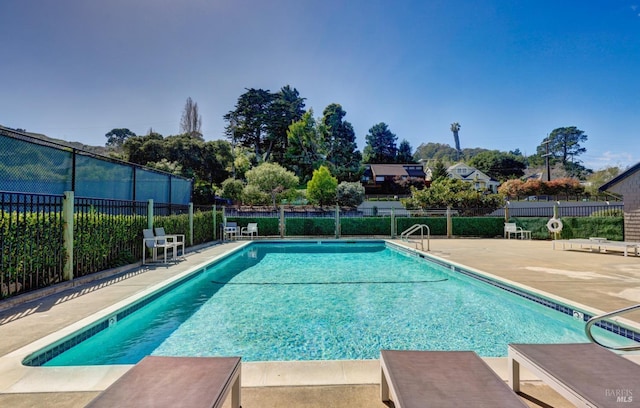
(455, 128)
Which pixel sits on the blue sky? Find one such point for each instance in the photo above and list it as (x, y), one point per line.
(508, 71)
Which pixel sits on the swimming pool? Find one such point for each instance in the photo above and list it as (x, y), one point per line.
(320, 301)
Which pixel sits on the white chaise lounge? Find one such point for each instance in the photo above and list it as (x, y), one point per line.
(599, 244)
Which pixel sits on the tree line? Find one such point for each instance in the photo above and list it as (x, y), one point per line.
(276, 128)
(263, 127)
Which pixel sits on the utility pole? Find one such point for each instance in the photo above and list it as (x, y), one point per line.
(546, 157)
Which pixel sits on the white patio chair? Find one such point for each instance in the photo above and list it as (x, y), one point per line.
(250, 229)
(153, 243)
(230, 230)
(510, 228)
(176, 239)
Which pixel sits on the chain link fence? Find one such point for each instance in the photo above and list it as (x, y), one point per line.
(32, 165)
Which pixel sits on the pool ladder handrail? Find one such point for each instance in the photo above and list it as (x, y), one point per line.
(598, 318)
(415, 227)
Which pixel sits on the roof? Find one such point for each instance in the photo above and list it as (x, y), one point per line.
(416, 172)
(388, 170)
(630, 171)
(471, 175)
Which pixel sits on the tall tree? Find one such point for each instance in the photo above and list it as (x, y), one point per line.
(306, 148)
(381, 145)
(191, 121)
(287, 107)
(564, 144)
(248, 123)
(404, 152)
(340, 141)
(144, 149)
(186, 150)
(260, 121)
(117, 137)
(455, 128)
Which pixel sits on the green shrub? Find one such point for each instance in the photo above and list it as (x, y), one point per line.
(486, 227)
(437, 226)
(350, 194)
(31, 253)
(610, 228)
(310, 226)
(365, 226)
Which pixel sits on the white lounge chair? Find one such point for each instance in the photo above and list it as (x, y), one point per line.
(169, 382)
(421, 379)
(149, 240)
(598, 244)
(177, 239)
(250, 229)
(230, 230)
(510, 228)
(584, 373)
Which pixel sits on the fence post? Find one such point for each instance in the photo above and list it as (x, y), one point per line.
(556, 235)
(191, 224)
(393, 224)
(67, 222)
(449, 223)
(215, 221)
(337, 217)
(282, 224)
(150, 213)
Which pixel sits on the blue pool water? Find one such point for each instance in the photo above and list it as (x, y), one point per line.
(328, 301)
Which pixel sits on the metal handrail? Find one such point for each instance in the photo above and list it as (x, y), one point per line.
(415, 227)
(596, 319)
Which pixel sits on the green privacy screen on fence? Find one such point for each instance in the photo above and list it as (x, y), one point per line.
(31, 165)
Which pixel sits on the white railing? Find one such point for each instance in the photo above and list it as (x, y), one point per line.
(415, 228)
(596, 319)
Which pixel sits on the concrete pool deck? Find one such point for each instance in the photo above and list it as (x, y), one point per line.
(600, 281)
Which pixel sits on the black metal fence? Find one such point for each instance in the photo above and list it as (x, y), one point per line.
(31, 250)
(106, 233)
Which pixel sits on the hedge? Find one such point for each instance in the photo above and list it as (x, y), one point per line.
(611, 228)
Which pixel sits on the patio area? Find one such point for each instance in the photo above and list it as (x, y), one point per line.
(596, 281)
